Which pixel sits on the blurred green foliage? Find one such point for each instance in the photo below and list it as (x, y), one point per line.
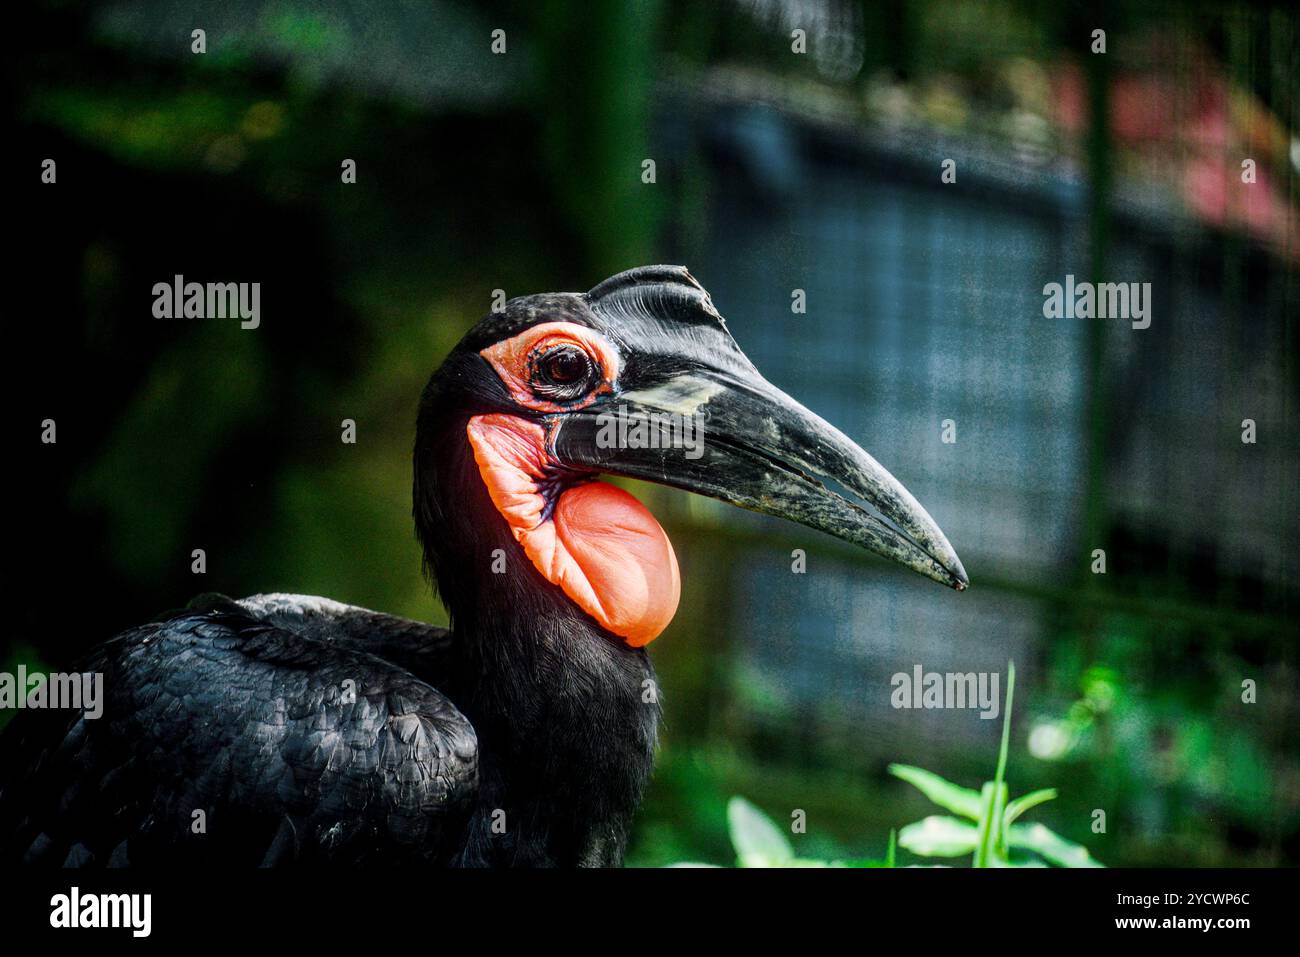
(990, 832)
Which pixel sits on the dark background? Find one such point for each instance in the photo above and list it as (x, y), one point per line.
(774, 171)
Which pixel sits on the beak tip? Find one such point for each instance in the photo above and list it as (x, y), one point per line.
(958, 580)
(949, 573)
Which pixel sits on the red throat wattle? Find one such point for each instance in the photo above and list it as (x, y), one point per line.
(598, 543)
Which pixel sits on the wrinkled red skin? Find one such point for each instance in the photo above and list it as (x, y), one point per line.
(598, 543)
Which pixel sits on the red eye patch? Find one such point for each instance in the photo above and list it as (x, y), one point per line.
(515, 361)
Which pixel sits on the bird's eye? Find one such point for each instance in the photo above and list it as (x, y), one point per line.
(566, 365)
(564, 372)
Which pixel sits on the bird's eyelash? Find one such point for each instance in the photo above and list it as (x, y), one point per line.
(578, 388)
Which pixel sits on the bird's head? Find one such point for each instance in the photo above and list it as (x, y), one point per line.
(640, 377)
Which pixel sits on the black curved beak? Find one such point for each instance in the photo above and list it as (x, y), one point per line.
(743, 441)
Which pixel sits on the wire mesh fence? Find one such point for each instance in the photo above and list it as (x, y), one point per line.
(925, 338)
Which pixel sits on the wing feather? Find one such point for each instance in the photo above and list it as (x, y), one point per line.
(247, 733)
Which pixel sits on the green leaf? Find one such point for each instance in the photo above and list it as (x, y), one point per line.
(1022, 804)
(953, 797)
(938, 836)
(891, 856)
(758, 841)
(1042, 840)
(1006, 724)
(997, 821)
(988, 852)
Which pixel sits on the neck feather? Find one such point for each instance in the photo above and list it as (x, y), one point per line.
(566, 713)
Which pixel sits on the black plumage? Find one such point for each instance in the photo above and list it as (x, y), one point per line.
(298, 729)
(229, 737)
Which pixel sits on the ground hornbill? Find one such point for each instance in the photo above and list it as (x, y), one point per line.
(285, 728)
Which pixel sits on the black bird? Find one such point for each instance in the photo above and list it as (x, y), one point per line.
(287, 728)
